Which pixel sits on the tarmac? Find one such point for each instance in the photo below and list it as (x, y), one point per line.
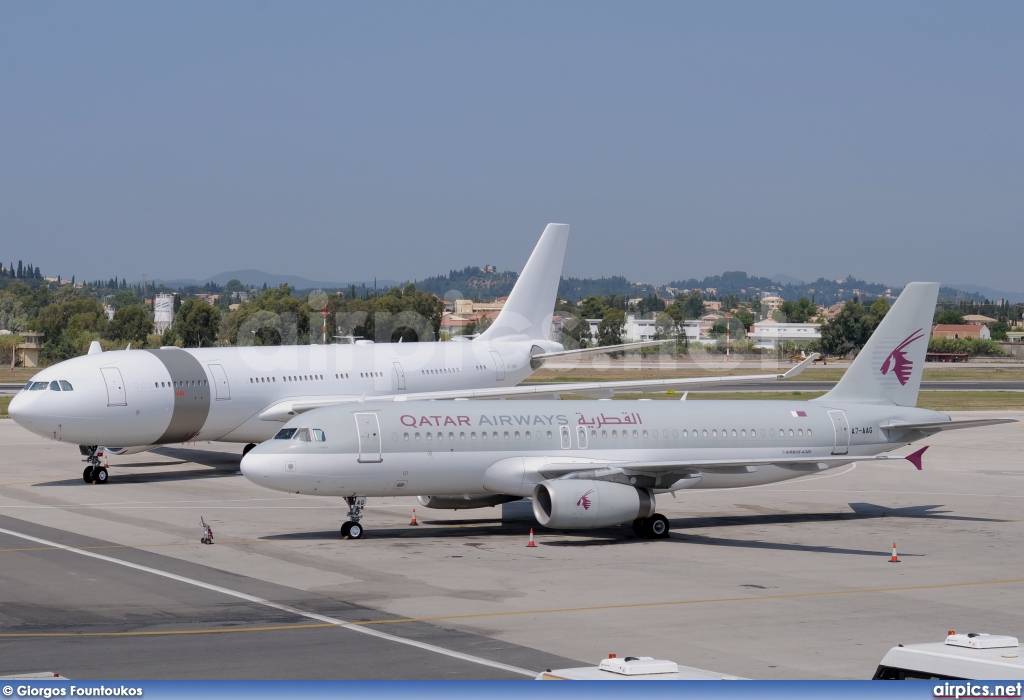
(789, 580)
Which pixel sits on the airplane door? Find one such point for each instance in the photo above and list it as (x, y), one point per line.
(115, 386)
(566, 437)
(369, 437)
(581, 436)
(842, 428)
(399, 376)
(220, 381)
(499, 365)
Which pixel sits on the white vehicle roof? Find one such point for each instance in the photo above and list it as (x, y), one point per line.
(632, 668)
(961, 656)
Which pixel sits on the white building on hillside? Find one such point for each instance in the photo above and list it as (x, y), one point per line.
(767, 334)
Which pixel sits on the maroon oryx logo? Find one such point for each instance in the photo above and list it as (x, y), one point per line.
(897, 360)
(584, 501)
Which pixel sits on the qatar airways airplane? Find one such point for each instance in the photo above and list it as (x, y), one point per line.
(130, 401)
(596, 464)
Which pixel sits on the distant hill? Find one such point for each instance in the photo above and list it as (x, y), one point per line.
(257, 278)
(477, 283)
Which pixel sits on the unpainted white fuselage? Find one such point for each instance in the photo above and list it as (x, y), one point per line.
(173, 395)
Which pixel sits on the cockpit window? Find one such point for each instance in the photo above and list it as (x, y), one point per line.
(39, 386)
(318, 435)
(54, 385)
(27, 386)
(66, 386)
(303, 434)
(285, 434)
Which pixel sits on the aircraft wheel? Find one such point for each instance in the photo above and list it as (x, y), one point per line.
(657, 526)
(87, 475)
(245, 450)
(351, 531)
(99, 475)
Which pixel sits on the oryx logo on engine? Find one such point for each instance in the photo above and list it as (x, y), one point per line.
(897, 360)
(584, 500)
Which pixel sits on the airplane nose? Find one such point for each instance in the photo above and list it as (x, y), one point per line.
(255, 466)
(18, 410)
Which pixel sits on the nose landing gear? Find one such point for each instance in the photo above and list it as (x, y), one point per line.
(352, 530)
(95, 472)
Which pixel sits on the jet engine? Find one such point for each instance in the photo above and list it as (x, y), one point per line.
(465, 501)
(121, 451)
(577, 504)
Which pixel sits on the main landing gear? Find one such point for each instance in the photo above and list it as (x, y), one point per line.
(352, 530)
(652, 528)
(95, 472)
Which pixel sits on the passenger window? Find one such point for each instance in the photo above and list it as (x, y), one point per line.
(773, 432)
(743, 433)
(462, 436)
(714, 433)
(685, 434)
(472, 435)
(645, 433)
(302, 434)
(494, 435)
(54, 385)
(800, 432)
(604, 433)
(506, 435)
(528, 435)
(734, 432)
(808, 432)
(66, 386)
(318, 435)
(430, 436)
(791, 432)
(705, 433)
(285, 434)
(615, 433)
(483, 435)
(451, 436)
(407, 437)
(634, 433)
(549, 435)
(517, 435)
(417, 436)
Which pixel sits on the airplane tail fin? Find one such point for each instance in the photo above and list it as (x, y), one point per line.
(889, 368)
(527, 313)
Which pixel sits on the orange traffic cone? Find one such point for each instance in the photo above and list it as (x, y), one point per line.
(894, 559)
(531, 543)
(413, 521)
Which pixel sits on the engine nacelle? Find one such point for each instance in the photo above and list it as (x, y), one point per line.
(465, 501)
(120, 451)
(577, 504)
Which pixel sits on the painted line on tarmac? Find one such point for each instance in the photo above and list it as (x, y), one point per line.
(278, 606)
(508, 613)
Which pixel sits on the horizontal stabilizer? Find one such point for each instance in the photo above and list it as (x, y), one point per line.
(936, 426)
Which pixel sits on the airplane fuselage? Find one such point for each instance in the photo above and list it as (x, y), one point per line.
(173, 395)
(503, 447)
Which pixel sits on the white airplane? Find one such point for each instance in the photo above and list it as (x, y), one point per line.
(131, 401)
(597, 464)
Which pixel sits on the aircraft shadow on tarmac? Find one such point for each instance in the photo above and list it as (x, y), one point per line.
(220, 464)
(495, 527)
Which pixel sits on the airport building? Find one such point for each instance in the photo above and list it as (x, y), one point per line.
(768, 334)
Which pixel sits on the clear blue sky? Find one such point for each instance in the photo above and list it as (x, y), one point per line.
(343, 141)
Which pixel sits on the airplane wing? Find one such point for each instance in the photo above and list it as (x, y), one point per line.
(612, 470)
(283, 410)
(936, 426)
(538, 359)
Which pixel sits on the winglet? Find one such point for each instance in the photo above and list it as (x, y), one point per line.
(804, 364)
(915, 457)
